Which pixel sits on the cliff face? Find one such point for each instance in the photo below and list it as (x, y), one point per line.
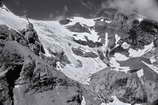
(26, 78)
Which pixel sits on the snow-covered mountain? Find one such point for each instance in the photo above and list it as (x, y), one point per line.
(54, 35)
(86, 42)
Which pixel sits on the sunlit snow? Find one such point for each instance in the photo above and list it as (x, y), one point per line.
(120, 57)
(116, 66)
(117, 37)
(140, 73)
(117, 102)
(152, 59)
(81, 20)
(91, 36)
(154, 68)
(125, 45)
(140, 18)
(83, 101)
(140, 52)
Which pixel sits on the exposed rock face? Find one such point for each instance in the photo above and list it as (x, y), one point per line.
(58, 55)
(64, 21)
(107, 12)
(127, 87)
(5, 98)
(79, 28)
(87, 42)
(7, 65)
(83, 53)
(23, 72)
(32, 38)
(142, 33)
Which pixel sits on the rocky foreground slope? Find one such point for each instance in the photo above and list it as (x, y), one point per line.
(31, 76)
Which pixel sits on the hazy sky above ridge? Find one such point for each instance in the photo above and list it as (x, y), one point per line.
(50, 9)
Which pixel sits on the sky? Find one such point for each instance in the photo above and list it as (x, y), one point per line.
(52, 9)
(41, 9)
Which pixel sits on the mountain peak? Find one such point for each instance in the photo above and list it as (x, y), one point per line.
(109, 59)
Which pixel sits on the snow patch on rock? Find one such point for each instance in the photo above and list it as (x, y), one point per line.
(125, 45)
(120, 57)
(83, 101)
(117, 102)
(140, 73)
(81, 20)
(116, 66)
(154, 68)
(141, 52)
(117, 37)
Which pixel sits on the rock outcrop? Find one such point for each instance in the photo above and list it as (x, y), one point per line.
(86, 42)
(83, 53)
(24, 74)
(79, 28)
(126, 86)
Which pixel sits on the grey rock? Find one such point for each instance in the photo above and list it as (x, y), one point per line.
(82, 53)
(79, 28)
